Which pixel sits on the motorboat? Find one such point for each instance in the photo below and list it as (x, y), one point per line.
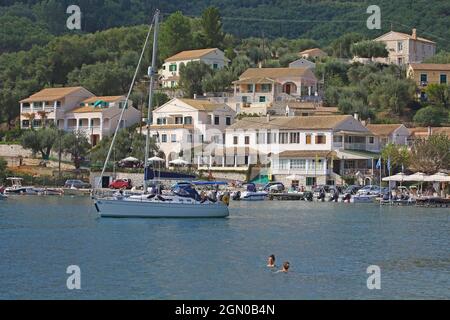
(252, 194)
(16, 188)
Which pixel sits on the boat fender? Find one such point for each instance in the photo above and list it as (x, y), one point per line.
(226, 199)
(151, 196)
(96, 207)
(161, 198)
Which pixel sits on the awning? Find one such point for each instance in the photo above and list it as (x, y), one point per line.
(356, 155)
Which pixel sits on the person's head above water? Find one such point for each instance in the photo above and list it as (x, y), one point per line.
(285, 266)
(271, 261)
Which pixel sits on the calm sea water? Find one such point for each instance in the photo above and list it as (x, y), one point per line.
(328, 245)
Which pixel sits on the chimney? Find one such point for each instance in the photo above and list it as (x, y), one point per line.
(414, 34)
(260, 64)
(195, 96)
(356, 116)
(268, 117)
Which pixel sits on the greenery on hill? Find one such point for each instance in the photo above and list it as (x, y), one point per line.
(104, 61)
(35, 21)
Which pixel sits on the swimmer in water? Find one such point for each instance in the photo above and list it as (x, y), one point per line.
(285, 267)
(271, 261)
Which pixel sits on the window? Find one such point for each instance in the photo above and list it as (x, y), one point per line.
(216, 120)
(310, 181)
(37, 123)
(262, 99)
(399, 46)
(173, 138)
(321, 139)
(337, 139)
(247, 140)
(371, 140)
(58, 104)
(215, 66)
(189, 138)
(295, 137)
(284, 138)
(161, 121)
(250, 87)
(178, 120)
(25, 123)
(423, 78)
(261, 138)
(266, 87)
(308, 139)
(228, 121)
(283, 164)
(235, 140)
(244, 99)
(298, 164)
(187, 120)
(164, 138)
(173, 67)
(443, 79)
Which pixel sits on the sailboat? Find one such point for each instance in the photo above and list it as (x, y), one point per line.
(184, 202)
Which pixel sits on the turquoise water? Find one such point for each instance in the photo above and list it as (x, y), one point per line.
(328, 245)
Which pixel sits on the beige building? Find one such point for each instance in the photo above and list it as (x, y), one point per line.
(424, 74)
(98, 117)
(312, 53)
(76, 109)
(382, 134)
(50, 105)
(170, 71)
(406, 48)
(258, 88)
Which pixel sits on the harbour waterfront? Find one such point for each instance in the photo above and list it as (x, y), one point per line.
(329, 246)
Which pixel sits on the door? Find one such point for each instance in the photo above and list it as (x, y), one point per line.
(105, 182)
(288, 89)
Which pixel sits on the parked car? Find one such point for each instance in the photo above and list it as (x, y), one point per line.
(369, 190)
(120, 184)
(274, 187)
(352, 189)
(77, 184)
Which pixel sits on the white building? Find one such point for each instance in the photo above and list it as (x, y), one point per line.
(76, 109)
(317, 149)
(187, 125)
(405, 49)
(170, 72)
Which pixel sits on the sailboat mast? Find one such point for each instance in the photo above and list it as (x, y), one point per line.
(152, 73)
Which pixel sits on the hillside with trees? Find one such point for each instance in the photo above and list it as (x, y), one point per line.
(29, 22)
(104, 62)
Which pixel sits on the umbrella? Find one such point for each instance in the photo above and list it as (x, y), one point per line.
(179, 161)
(293, 177)
(398, 177)
(418, 176)
(130, 159)
(438, 177)
(156, 159)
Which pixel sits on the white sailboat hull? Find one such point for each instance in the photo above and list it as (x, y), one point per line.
(158, 209)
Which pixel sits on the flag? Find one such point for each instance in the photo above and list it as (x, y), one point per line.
(378, 166)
